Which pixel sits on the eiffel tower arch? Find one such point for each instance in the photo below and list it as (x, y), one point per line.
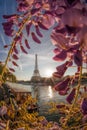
(36, 75)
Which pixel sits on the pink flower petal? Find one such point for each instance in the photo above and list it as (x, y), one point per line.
(9, 16)
(78, 58)
(14, 63)
(59, 10)
(9, 32)
(23, 6)
(57, 50)
(72, 17)
(62, 68)
(27, 44)
(82, 37)
(11, 69)
(6, 46)
(48, 20)
(28, 26)
(35, 38)
(18, 38)
(15, 50)
(61, 56)
(71, 96)
(59, 40)
(62, 85)
(15, 57)
(42, 26)
(38, 31)
(63, 93)
(23, 50)
(7, 24)
(84, 106)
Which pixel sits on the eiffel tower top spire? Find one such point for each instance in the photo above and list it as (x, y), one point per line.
(36, 75)
(36, 64)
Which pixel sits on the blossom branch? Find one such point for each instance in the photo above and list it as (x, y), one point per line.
(13, 44)
(75, 99)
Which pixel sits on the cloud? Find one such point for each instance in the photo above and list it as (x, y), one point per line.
(32, 57)
(29, 60)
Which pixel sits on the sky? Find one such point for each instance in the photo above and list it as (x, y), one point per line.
(46, 64)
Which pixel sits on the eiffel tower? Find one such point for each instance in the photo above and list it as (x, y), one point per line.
(36, 75)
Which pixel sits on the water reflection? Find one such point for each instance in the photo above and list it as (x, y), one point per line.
(44, 94)
(50, 92)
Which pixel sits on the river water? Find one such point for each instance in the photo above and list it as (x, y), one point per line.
(44, 94)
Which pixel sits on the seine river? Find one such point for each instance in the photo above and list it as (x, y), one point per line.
(44, 94)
